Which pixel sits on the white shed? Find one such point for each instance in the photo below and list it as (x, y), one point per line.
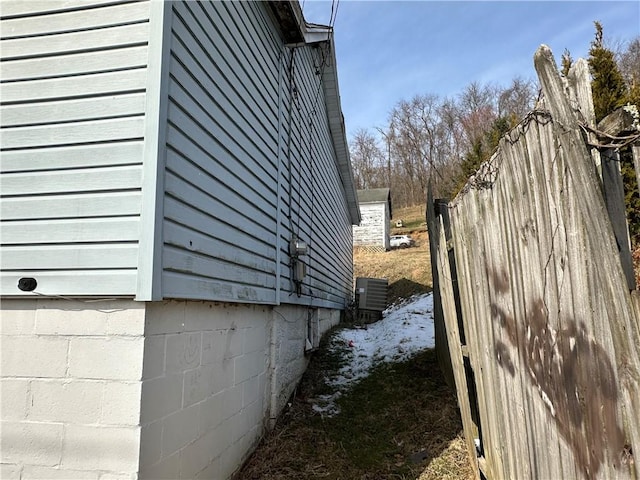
(176, 212)
(375, 208)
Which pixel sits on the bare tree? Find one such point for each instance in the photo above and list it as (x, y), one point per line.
(629, 64)
(367, 160)
(515, 101)
(439, 140)
(417, 141)
(477, 109)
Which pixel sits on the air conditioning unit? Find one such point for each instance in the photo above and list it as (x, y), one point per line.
(371, 293)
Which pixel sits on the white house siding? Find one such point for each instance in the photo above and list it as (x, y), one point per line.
(229, 211)
(374, 228)
(73, 93)
(70, 388)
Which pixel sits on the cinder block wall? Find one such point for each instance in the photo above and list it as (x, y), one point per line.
(205, 387)
(290, 341)
(214, 373)
(328, 319)
(175, 389)
(291, 332)
(70, 388)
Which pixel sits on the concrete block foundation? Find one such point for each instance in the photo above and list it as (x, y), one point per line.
(124, 389)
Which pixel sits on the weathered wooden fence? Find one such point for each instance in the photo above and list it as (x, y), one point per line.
(540, 314)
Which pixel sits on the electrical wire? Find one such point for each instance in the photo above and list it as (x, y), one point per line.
(312, 114)
(78, 300)
(291, 71)
(334, 12)
(325, 55)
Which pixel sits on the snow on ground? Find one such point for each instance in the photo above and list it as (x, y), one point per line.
(404, 330)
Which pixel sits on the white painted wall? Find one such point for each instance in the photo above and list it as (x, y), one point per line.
(116, 389)
(208, 379)
(70, 388)
(373, 230)
(204, 389)
(291, 331)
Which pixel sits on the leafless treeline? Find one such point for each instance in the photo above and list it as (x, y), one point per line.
(438, 139)
(444, 140)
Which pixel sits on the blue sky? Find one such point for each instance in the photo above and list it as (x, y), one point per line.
(388, 51)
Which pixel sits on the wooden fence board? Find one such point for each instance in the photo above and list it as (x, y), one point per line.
(442, 344)
(552, 330)
(453, 337)
(469, 283)
(636, 161)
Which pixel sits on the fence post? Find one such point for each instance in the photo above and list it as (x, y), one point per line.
(442, 345)
(451, 342)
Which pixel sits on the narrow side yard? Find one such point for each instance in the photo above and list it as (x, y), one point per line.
(372, 405)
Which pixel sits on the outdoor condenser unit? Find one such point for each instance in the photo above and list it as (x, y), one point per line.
(371, 293)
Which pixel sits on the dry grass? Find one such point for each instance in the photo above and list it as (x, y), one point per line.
(401, 422)
(451, 464)
(408, 270)
(412, 217)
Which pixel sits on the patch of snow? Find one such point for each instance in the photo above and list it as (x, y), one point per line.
(405, 330)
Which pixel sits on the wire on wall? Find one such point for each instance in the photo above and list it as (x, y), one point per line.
(291, 72)
(296, 138)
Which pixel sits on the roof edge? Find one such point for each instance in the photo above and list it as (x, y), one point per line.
(290, 18)
(339, 133)
(297, 32)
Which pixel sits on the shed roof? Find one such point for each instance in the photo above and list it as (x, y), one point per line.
(375, 195)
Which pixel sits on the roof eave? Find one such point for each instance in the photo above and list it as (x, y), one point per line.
(291, 21)
(338, 133)
(296, 32)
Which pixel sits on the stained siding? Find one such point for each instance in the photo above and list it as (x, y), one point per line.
(73, 102)
(220, 181)
(236, 187)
